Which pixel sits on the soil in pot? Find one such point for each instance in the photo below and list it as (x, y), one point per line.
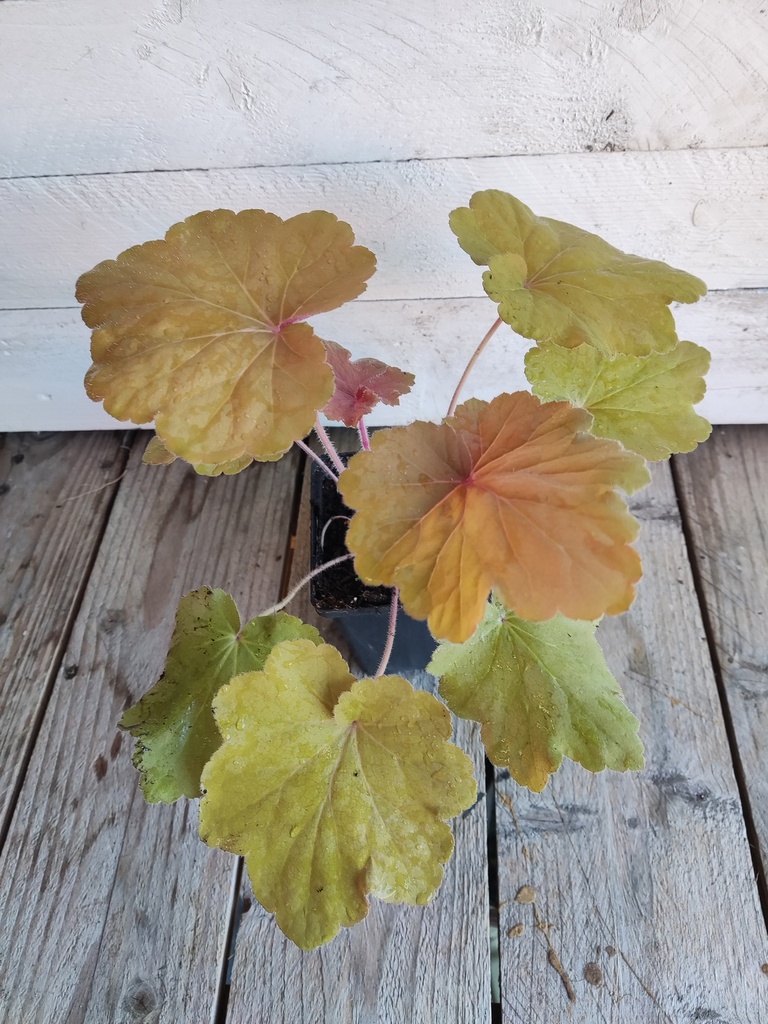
(362, 611)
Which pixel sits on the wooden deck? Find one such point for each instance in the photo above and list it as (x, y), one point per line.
(621, 899)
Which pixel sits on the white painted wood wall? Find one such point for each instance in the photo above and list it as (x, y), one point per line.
(644, 120)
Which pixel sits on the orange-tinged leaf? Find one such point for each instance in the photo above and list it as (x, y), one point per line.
(512, 495)
(555, 282)
(200, 331)
(332, 788)
(361, 384)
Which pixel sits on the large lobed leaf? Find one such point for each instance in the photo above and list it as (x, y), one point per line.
(360, 384)
(173, 722)
(511, 495)
(542, 691)
(200, 331)
(646, 402)
(332, 789)
(555, 282)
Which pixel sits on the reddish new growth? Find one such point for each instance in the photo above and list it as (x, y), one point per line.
(361, 384)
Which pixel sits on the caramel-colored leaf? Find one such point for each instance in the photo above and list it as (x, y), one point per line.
(542, 691)
(513, 495)
(555, 282)
(199, 331)
(646, 402)
(332, 789)
(173, 722)
(361, 384)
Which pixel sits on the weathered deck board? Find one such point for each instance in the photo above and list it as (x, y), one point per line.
(55, 492)
(403, 965)
(113, 910)
(643, 883)
(724, 498)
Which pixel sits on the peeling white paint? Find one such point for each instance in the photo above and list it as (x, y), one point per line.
(643, 120)
(99, 86)
(48, 354)
(702, 210)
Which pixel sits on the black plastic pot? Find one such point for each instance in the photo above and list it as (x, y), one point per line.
(361, 611)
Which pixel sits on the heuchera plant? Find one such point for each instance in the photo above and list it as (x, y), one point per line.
(502, 526)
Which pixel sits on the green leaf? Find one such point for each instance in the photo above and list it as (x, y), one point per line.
(646, 402)
(332, 788)
(555, 282)
(173, 722)
(542, 691)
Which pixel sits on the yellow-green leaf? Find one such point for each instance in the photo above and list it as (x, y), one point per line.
(231, 468)
(200, 331)
(542, 691)
(512, 495)
(332, 789)
(156, 454)
(555, 282)
(646, 402)
(173, 722)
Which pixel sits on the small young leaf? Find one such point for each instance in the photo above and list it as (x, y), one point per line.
(542, 691)
(511, 494)
(173, 722)
(332, 789)
(362, 384)
(199, 331)
(646, 402)
(555, 282)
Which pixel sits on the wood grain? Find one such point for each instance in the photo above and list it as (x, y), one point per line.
(114, 910)
(724, 491)
(644, 902)
(46, 354)
(168, 84)
(55, 494)
(402, 965)
(701, 210)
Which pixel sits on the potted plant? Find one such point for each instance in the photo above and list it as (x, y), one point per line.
(502, 527)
